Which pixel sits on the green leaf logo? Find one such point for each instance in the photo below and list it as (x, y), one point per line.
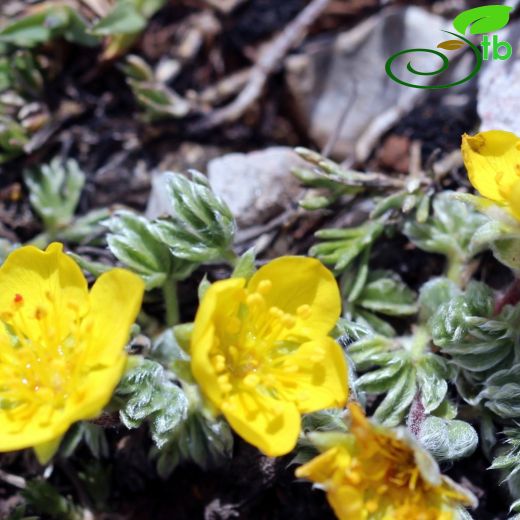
(485, 19)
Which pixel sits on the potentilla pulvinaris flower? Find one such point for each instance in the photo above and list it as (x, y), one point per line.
(493, 162)
(61, 346)
(261, 351)
(376, 473)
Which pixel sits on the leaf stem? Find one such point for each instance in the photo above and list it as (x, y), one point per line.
(171, 302)
(231, 257)
(455, 269)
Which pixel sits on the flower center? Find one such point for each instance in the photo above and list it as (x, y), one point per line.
(39, 359)
(252, 348)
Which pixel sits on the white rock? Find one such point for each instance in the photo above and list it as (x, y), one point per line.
(498, 101)
(258, 185)
(328, 76)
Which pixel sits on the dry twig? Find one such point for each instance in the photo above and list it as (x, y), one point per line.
(13, 480)
(269, 59)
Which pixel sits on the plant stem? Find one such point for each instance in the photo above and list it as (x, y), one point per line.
(420, 341)
(171, 302)
(231, 257)
(455, 269)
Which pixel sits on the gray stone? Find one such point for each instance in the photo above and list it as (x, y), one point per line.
(498, 101)
(326, 77)
(257, 186)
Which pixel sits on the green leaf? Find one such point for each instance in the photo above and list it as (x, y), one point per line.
(91, 434)
(341, 246)
(159, 101)
(54, 192)
(245, 267)
(431, 374)
(376, 324)
(133, 243)
(205, 440)
(397, 401)
(508, 252)
(354, 279)
(381, 380)
(364, 352)
(13, 138)
(385, 293)
(391, 202)
(478, 343)
(448, 440)
(148, 394)
(435, 293)
(202, 227)
(204, 285)
(449, 231)
(502, 392)
(484, 19)
(508, 458)
(44, 499)
(125, 18)
(47, 24)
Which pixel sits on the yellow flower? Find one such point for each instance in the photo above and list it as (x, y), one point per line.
(61, 347)
(375, 473)
(493, 162)
(261, 353)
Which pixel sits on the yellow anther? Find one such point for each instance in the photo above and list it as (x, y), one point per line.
(233, 351)
(254, 299)
(371, 506)
(251, 380)
(40, 313)
(288, 321)
(219, 362)
(73, 306)
(381, 490)
(264, 286)
(354, 477)
(269, 380)
(275, 312)
(233, 325)
(227, 406)
(226, 388)
(224, 383)
(223, 379)
(304, 311)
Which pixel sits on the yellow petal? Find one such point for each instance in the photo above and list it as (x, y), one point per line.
(514, 199)
(270, 425)
(301, 287)
(36, 280)
(314, 376)
(492, 160)
(115, 300)
(94, 391)
(321, 468)
(41, 429)
(220, 302)
(348, 503)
